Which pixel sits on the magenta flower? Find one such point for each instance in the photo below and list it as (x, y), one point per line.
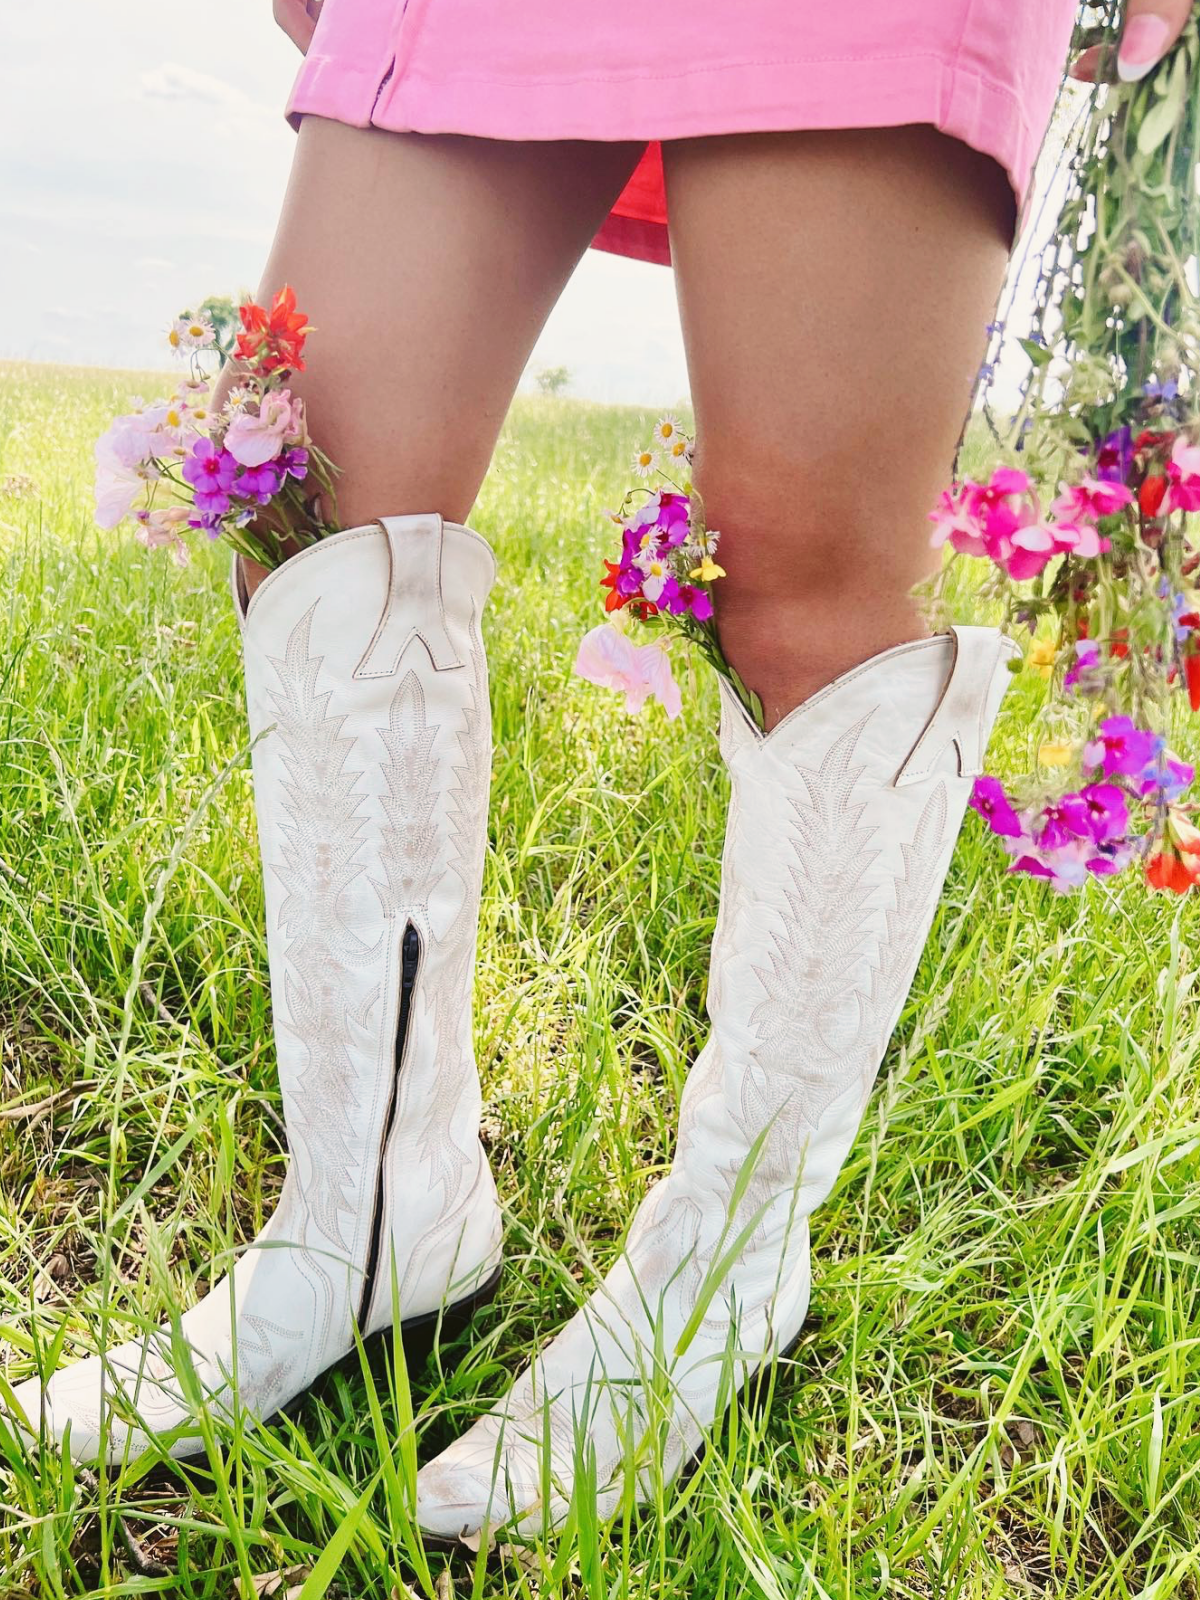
(1061, 821)
(700, 601)
(672, 521)
(1106, 811)
(993, 805)
(210, 470)
(1122, 749)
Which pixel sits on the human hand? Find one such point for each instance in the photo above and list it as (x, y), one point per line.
(298, 18)
(1151, 28)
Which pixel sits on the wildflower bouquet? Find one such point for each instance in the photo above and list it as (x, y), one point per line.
(662, 581)
(247, 472)
(1103, 579)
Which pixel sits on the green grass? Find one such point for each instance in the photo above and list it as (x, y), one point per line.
(997, 1391)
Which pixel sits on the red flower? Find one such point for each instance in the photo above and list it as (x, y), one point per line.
(1168, 871)
(1118, 647)
(1154, 439)
(274, 338)
(642, 608)
(1176, 866)
(1191, 673)
(1150, 495)
(613, 601)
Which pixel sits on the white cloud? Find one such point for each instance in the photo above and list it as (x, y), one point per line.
(170, 81)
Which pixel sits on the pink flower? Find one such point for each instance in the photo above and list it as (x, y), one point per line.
(129, 441)
(159, 529)
(606, 657)
(956, 522)
(1017, 540)
(1183, 469)
(121, 476)
(1079, 539)
(1090, 500)
(253, 440)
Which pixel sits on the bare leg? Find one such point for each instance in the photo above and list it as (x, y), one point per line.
(428, 267)
(834, 289)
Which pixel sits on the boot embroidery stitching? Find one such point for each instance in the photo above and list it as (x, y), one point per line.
(811, 1023)
(323, 832)
(408, 847)
(449, 1164)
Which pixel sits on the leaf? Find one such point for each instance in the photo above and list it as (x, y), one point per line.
(1040, 354)
(1165, 113)
(316, 1585)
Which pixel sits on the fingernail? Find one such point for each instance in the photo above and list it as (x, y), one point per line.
(1142, 46)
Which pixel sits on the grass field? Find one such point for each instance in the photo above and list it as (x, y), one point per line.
(998, 1392)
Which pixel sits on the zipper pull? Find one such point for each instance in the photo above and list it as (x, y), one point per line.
(410, 955)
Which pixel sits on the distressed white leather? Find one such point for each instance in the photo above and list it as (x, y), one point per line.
(368, 698)
(841, 827)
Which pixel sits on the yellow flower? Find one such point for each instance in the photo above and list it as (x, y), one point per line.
(1055, 755)
(1041, 656)
(708, 571)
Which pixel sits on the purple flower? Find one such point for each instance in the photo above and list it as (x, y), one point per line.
(208, 522)
(1087, 656)
(294, 463)
(1161, 391)
(1106, 812)
(1114, 455)
(258, 483)
(210, 470)
(993, 805)
(1166, 773)
(1120, 748)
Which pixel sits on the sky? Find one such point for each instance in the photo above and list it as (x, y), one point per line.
(143, 156)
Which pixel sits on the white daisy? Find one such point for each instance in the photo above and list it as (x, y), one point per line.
(657, 572)
(667, 432)
(191, 333)
(645, 462)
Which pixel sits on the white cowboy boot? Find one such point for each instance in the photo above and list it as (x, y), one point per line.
(841, 826)
(367, 692)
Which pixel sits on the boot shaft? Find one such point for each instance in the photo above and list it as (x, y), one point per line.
(367, 694)
(841, 827)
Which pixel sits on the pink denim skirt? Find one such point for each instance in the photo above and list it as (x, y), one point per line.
(983, 71)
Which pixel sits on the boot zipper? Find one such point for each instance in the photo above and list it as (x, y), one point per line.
(410, 960)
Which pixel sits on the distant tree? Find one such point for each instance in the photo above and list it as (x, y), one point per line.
(553, 380)
(221, 311)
